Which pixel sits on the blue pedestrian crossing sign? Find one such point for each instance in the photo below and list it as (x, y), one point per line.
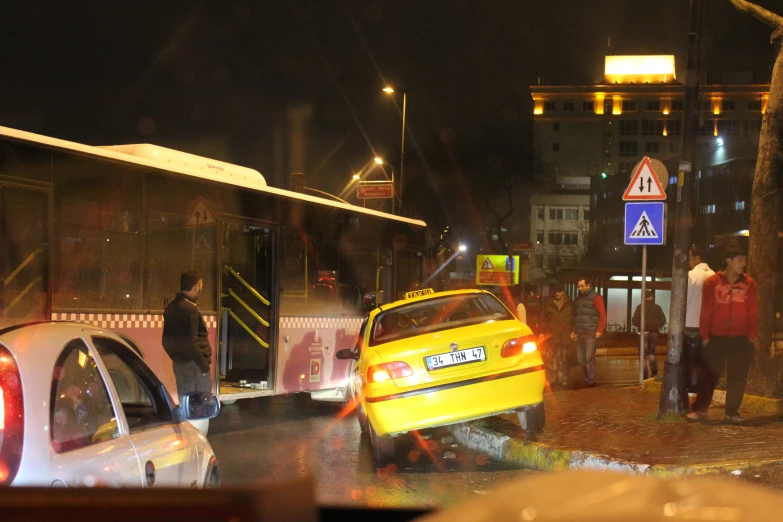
(645, 223)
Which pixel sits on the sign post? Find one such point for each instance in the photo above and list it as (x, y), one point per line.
(645, 224)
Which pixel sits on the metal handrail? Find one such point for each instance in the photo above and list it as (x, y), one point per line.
(22, 293)
(22, 265)
(247, 285)
(246, 307)
(247, 328)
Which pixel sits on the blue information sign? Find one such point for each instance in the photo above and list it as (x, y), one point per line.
(645, 223)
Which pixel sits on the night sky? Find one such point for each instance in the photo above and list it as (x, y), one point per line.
(216, 78)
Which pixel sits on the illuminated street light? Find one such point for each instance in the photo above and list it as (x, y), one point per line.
(719, 141)
(390, 91)
(356, 176)
(462, 248)
(378, 160)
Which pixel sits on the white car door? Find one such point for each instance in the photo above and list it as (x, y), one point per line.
(88, 445)
(165, 449)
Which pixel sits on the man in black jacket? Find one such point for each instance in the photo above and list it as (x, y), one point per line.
(185, 337)
(654, 320)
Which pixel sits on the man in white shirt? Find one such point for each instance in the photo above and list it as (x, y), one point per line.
(699, 273)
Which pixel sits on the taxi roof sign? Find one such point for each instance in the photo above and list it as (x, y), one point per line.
(419, 293)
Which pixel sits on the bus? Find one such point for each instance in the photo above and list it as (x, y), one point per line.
(101, 234)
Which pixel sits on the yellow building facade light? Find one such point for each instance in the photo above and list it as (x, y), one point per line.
(599, 103)
(639, 68)
(538, 106)
(617, 105)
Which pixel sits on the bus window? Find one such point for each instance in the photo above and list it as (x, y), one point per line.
(19, 161)
(181, 235)
(24, 267)
(293, 272)
(98, 244)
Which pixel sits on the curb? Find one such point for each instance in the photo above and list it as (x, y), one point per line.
(621, 351)
(752, 403)
(542, 457)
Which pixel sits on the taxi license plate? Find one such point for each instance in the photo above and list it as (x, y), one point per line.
(444, 360)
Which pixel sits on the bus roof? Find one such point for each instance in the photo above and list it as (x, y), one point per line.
(191, 165)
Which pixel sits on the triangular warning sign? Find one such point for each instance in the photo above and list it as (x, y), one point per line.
(644, 184)
(199, 215)
(487, 265)
(644, 228)
(202, 247)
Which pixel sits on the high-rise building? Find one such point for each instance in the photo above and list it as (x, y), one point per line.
(603, 130)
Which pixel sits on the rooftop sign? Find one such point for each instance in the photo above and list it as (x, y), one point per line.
(639, 68)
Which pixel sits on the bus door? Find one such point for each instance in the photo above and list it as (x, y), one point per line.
(248, 304)
(24, 258)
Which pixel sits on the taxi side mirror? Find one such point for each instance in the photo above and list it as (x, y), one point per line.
(347, 355)
(199, 406)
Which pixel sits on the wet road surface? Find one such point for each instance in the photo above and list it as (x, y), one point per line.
(277, 439)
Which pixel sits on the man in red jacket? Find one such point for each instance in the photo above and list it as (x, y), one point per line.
(728, 323)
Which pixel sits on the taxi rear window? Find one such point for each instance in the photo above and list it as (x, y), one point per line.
(437, 314)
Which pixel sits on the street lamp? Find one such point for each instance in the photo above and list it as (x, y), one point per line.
(356, 177)
(379, 161)
(390, 90)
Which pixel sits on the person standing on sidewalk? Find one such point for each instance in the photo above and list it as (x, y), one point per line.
(589, 324)
(692, 344)
(728, 324)
(556, 329)
(654, 320)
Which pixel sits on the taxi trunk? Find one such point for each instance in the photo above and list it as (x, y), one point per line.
(457, 374)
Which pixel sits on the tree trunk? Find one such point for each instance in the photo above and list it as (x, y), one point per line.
(767, 377)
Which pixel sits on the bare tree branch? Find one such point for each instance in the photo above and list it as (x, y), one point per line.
(758, 12)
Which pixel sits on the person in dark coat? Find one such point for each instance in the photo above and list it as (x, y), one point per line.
(556, 328)
(654, 320)
(185, 338)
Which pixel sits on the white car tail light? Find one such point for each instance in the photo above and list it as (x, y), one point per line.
(11, 418)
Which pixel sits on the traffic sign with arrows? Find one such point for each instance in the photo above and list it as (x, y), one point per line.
(645, 185)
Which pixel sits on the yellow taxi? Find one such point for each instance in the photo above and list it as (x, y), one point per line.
(442, 358)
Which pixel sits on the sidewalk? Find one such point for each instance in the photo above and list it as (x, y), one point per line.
(616, 428)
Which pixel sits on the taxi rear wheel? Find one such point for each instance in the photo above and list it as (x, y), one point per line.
(532, 418)
(364, 422)
(382, 445)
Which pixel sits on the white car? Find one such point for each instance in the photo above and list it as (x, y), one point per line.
(79, 407)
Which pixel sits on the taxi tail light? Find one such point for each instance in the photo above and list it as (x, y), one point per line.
(386, 371)
(518, 345)
(11, 418)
